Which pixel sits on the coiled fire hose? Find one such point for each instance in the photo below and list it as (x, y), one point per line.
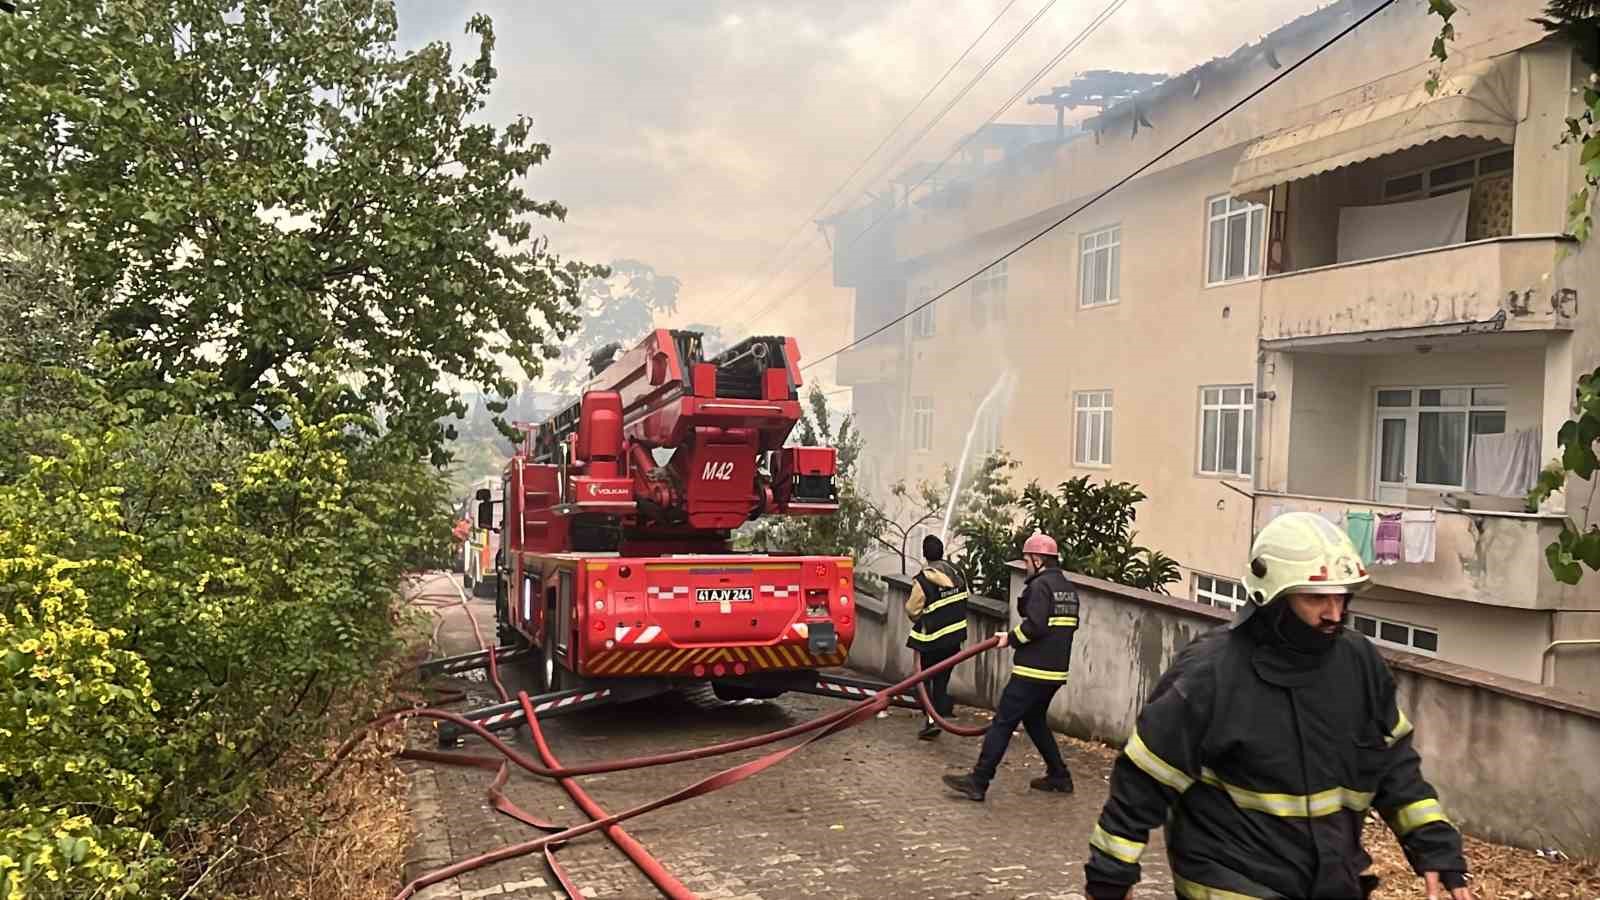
(818, 728)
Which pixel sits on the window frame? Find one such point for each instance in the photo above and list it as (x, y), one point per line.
(988, 294)
(988, 435)
(1244, 467)
(1087, 406)
(921, 418)
(1113, 250)
(1230, 601)
(1429, 189)
(1413, 414)
(1411, 633)
(1249, 212)
(923, 323)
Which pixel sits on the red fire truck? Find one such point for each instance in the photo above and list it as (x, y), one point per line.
(618, 575)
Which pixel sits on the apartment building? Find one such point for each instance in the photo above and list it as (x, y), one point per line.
(1348, 296)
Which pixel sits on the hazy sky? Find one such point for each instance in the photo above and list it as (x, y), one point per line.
(698, 135)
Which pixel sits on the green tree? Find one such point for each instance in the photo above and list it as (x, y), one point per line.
(257, 189)
(985, 525)
(1578, 545)
(854, 530)
(1093, 526)
(617, 307)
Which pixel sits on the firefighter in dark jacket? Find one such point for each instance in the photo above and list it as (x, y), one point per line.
(1043, 640)
(937, 608)
(1265, 744)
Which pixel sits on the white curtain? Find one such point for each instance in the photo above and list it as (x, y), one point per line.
(1369, 231)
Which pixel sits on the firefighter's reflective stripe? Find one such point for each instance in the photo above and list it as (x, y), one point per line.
(1412, 816)
(1064, 622)
(1192, 891)
(1400, 730)
(1116, 847)
(943, 632)
(1156, 767)
(1018, 636)
(1292, 806)
(1039, 674)
(957, 597)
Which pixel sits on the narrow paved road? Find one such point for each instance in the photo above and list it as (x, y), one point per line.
(859, 815)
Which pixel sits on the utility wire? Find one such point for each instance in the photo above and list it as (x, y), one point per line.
(821, 207)
(1087, 32)
(1115, 185)
(926, 128)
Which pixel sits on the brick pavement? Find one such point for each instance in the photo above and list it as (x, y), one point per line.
(858, 815)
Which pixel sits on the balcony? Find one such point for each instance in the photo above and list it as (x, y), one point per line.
(1500, 284)
(1480, 556)
(877, 362)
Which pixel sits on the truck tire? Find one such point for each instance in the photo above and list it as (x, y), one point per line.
(486, 587)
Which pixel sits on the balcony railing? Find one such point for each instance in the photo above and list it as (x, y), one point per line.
(1480, 556)
(1500, 284)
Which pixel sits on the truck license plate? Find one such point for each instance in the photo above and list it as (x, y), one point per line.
(724, 595)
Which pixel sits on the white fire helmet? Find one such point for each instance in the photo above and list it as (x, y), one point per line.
(1301, 553)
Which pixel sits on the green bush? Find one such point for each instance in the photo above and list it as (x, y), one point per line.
(178, 613)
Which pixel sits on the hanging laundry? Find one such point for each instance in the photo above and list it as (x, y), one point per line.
(1334, 517)
(1420, 534)
(1503, 465)
(1388, 546)
(1359, 525)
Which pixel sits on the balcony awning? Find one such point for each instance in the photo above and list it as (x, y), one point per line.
(1478, 100)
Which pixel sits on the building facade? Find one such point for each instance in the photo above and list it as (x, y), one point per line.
(1349, 296)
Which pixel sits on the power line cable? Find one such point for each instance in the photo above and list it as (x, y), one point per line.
(1114, 186)
(1083, 35)
(908, 145)
(884, 142)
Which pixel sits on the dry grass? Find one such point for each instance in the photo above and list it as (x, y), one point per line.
(346, 839)
(1499, 873)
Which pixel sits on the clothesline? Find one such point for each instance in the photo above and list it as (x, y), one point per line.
(1382, 538)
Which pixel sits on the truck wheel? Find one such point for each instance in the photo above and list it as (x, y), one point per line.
(538, 662)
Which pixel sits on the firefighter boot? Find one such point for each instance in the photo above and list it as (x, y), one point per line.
(929, 731)
(1061, 785)
(966, 786)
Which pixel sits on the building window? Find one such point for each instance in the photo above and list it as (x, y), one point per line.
(922, 319)
(1397, 634)
(1093, 427)
(1446, 420)
(988, 437)
(1233, 239)
(922, 423)
(1227, 430)
(1101, 267)
(1488, 177)
(1210, 590)
(1449, 177)
(989, 294)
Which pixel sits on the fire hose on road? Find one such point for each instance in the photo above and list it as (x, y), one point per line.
(549, 766)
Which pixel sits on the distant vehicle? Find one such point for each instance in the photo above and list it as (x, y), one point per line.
(479, 546)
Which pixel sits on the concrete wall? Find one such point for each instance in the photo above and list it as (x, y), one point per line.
(1503, 641)
(1056, 347)
(1329, 447)
(1489, 558)
(1513, 762)
(1325, 450)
